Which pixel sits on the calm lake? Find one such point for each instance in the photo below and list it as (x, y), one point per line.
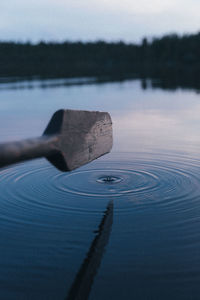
(49, 219)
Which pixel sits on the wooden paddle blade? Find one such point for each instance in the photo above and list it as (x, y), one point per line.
(82, 137)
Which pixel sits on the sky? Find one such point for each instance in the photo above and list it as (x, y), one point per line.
(91, 20)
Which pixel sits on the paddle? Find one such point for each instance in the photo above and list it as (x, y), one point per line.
(71, 139)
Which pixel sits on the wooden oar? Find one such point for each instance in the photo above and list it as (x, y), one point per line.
(71, 139)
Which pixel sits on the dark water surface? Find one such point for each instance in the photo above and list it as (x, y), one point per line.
(49, 219)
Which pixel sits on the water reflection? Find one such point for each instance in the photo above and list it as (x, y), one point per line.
(159, 128)
(168, 82)
(83, 282)
(48, 218)
(28, 83)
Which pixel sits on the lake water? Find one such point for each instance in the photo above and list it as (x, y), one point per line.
(49, 219)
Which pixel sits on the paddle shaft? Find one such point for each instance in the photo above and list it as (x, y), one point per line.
(13, 152)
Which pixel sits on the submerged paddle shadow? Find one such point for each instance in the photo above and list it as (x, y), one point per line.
(83, 281)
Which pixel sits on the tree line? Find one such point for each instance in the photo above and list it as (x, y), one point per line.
(171, 56)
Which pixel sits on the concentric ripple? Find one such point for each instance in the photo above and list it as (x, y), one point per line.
(52, 214)
(86, 182)
(139, 181)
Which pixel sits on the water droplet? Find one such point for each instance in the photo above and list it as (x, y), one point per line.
(109, 179)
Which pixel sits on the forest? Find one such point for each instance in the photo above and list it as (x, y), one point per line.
(174, 59)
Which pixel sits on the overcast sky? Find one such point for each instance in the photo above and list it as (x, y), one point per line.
(111, 20)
